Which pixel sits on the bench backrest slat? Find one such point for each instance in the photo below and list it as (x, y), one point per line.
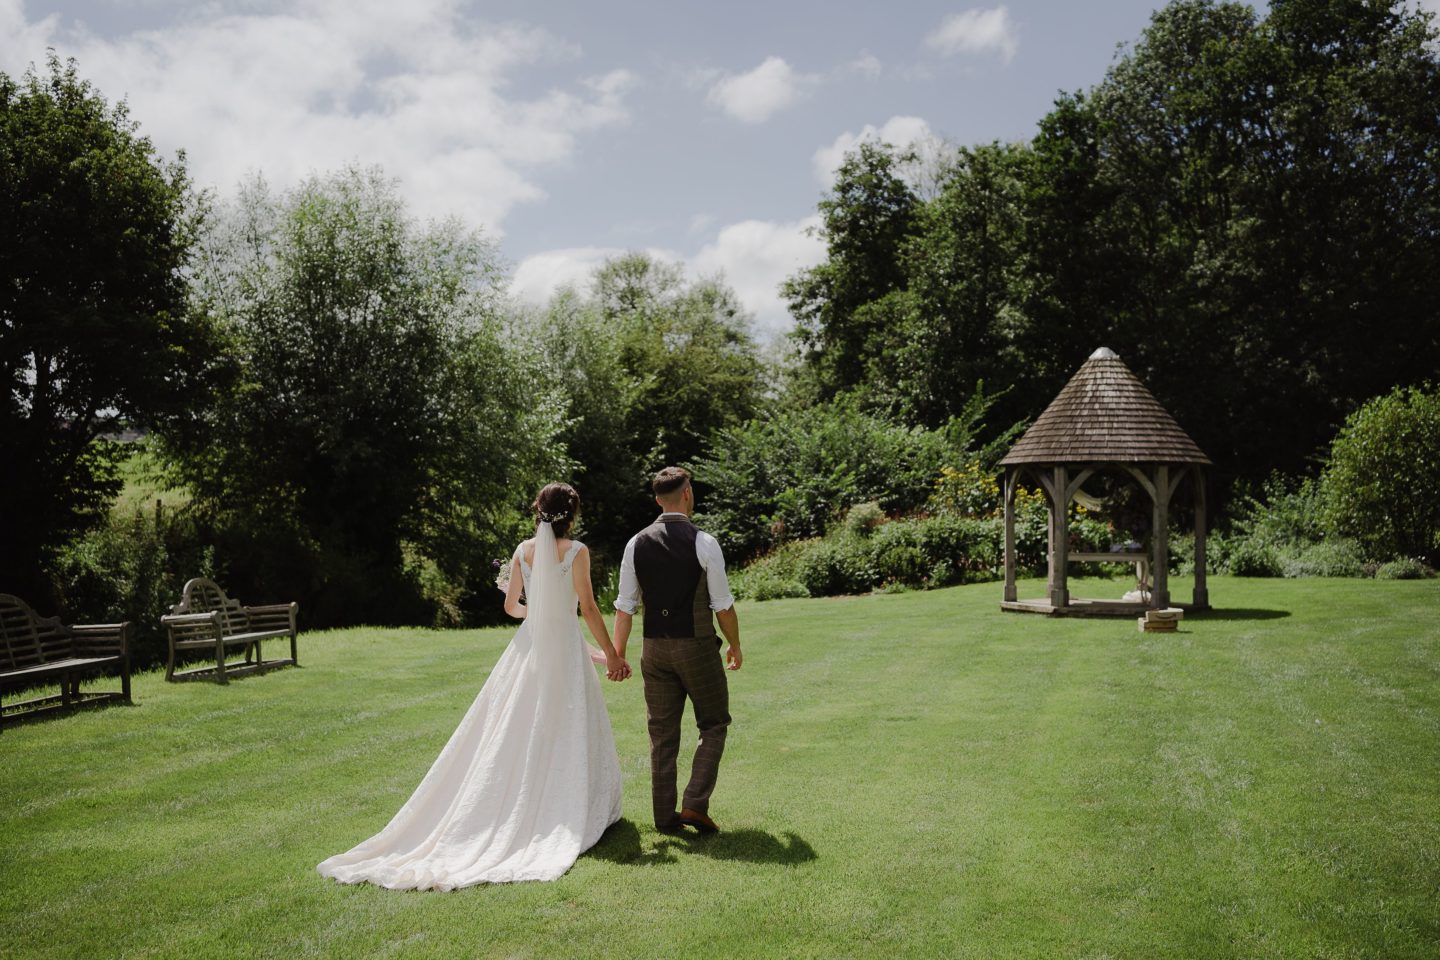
(27, 639)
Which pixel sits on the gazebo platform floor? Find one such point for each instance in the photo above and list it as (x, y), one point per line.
(1081, 607)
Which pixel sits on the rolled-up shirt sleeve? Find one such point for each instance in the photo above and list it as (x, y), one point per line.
(628, 598)
(712, 558)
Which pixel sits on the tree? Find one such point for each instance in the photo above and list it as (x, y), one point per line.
(1137, 224)
(382, 436)
(865, 219)
(96, 232)
(1247, 211)
(581, 356)
(961, 274)
(652, 366)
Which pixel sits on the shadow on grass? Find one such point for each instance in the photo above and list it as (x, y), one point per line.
(1237, 613)
(621, 844)
(752, 846)
(239, 670)
(58, 711)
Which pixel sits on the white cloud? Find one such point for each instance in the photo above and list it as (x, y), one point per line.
(900, 132)
(867, 65)
(541, 276)
(757, 96)
(20, 40)
(756, 256)
(418, 87)
(977, 31)
(753, 256)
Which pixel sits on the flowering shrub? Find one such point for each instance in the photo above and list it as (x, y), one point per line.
(968, 491)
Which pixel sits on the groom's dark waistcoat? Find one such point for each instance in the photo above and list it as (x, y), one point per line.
(673, 586)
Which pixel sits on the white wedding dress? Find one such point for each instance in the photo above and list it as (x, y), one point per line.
(529, 780)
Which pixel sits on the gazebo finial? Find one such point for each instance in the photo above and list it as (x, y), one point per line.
(1104, 353)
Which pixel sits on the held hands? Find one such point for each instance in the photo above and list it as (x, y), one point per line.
(616, 668)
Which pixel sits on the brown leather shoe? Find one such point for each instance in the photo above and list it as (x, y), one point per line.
(702, 823)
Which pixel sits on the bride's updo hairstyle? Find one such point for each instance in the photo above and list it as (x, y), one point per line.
(558, 505)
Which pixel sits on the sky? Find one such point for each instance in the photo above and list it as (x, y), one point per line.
(704, 133)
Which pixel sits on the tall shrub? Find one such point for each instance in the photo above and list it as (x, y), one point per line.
(132, 567)
(1382, 482)
(789, 476)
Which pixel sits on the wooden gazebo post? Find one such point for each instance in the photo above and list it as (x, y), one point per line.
(1201, 598)
(1012, 475)
(1105, 418)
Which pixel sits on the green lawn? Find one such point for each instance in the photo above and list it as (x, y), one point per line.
(908, 775)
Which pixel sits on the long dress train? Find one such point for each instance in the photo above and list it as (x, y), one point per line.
(530, 778)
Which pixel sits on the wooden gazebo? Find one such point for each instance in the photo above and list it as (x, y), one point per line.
(1105, 419)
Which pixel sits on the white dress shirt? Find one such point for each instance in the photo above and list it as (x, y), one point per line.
(712, 561)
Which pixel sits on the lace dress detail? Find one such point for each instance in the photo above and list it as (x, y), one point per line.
(567, 563)
(530, 778)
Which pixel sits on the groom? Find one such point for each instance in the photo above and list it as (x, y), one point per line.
(678, 571)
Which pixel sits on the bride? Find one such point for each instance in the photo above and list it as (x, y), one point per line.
(530, 778)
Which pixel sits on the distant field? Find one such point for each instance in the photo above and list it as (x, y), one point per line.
(910, 775)
(144, 485)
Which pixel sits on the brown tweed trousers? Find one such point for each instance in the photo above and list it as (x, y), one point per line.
(673, 669)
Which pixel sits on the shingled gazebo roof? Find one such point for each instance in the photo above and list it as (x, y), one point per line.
(1105, 414)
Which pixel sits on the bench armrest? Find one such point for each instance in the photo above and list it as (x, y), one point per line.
(192, 626)
(102, 638)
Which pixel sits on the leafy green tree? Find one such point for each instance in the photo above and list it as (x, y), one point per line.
(580, 353)
(865, 219)
(383, 435)
(1245, 210)
(689, 348)
(1382, 482)
(957, 311)
(652, 365)
(1137, 232)
(95, 236)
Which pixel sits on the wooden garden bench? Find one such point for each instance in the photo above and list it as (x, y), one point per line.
(35, 650)
(206, 619)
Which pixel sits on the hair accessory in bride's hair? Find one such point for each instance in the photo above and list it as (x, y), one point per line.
(557, 504)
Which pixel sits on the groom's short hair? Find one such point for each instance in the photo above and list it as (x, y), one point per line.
(669, 480)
